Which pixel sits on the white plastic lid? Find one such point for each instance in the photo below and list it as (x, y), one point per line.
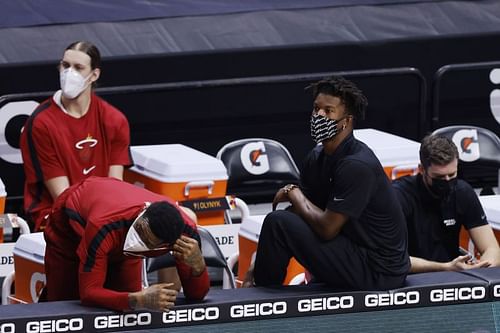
(31, 247)
(176, 163)
(491, 206)
(390, 149)
(251, 226)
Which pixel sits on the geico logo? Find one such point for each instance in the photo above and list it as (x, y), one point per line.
(259, 309)
(457, 294)
(325, 303)
(130, 319)
(187, 315)
(496, 291)
(7, 328)
(398, 298)
(60, 325)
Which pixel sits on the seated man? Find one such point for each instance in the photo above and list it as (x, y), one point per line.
(344, 226)
(436, 205)
(97, 232)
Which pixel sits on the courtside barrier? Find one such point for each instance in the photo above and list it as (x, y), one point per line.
(250, 304)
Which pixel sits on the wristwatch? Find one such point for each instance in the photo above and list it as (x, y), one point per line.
(288, 188)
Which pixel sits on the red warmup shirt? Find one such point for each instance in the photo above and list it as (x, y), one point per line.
(101, 212)
(55, 144)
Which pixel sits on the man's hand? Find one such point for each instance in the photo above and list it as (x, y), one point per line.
(465, 262)
(156, 297)
(283, 194)
(187, 250)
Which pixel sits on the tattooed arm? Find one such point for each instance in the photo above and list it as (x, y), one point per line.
(156, 297)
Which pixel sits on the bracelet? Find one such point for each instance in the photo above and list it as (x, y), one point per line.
(288, 188)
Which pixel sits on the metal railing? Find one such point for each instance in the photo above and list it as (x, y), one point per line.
(438, 78)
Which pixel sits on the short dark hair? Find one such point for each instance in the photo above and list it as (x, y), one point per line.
(165, 221)
(438, 150)
(88, 48)
(353, 98)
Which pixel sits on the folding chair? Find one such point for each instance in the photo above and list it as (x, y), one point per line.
(257, 168)
(211, 253)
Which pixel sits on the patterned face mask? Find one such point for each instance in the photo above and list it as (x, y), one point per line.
(323, 128)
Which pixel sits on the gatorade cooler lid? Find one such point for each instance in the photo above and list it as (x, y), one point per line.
(491, 206)
(176, 163)
(31, 246)
(390, 149)
(251, 226)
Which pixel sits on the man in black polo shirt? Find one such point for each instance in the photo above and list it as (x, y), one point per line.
(436, 204)
(344, 225)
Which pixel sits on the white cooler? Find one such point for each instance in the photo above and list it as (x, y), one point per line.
(181, 173)
(491, 206)
(29, 254)
(399, 156)
(248, 238)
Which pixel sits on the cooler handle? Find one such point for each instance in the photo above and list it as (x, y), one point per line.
(206, 183)
(404, 168)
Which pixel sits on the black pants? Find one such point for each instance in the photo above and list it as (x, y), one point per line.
(338, 262)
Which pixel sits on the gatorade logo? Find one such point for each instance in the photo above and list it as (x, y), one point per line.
(37, 283)
(254, 159)
(467, 144)
(495, 94)
(13, 115)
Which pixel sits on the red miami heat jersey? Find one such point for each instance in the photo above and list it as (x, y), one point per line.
(55, 144)
(101, 211)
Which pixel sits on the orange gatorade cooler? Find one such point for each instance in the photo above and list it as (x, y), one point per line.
(29, 253)
(183, 174)
(248, 238)
(491, 207)
(399, 156)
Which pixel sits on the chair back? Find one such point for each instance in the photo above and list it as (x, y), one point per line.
(257, 168)
(479, 153)
(214, 258)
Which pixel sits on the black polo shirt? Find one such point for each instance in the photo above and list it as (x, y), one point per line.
(352, 182)
(433, 224)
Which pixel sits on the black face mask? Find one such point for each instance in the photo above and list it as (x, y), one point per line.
(442, 187)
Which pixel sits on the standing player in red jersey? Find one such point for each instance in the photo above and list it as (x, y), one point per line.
(97, 230)
(71, 136)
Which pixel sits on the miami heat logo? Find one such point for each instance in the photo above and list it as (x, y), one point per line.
(254, 159)
(85, 147)
(467, 144)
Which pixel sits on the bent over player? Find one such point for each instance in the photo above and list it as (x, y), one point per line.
(97, 232)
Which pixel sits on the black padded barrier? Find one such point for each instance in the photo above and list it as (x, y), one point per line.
(236, 305)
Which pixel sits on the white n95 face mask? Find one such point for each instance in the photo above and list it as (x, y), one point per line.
(72, 83)
(133, 242)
